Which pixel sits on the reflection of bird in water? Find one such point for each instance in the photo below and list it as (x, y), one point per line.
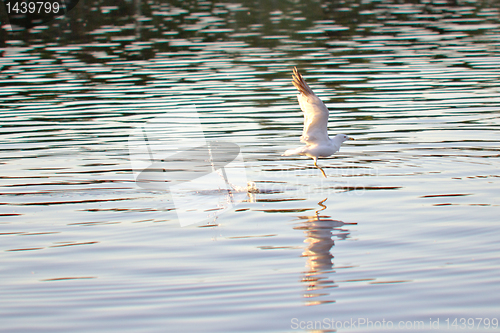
(319, 231)
(315, 133)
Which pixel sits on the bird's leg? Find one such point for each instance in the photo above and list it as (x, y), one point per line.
(316, 165)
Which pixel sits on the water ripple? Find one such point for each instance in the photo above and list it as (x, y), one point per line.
(410, 209)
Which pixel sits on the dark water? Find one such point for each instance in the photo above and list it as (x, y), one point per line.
(409, 229)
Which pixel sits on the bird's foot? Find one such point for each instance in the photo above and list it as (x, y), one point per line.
(323, 172)
(324, 175)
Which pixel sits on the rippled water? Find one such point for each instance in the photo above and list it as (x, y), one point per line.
(404, 229)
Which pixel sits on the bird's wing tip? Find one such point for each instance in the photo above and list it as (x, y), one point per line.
(299, 83)
(296, 73)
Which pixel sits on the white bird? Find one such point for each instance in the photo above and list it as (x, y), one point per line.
(315, 133)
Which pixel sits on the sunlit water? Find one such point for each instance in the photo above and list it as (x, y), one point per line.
(404, 229)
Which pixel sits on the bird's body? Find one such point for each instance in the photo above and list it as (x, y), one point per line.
(315, 133)
(317, 150)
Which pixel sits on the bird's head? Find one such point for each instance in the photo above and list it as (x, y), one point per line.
(342, 137)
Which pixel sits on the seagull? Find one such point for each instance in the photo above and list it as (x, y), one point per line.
(315, 133)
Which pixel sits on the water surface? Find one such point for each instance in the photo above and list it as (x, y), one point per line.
(404, 229)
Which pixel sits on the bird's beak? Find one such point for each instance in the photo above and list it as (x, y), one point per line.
(352, 139)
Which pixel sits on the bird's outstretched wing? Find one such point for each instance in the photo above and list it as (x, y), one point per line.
(315, 112)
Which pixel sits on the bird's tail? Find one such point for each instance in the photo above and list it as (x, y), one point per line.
(296, 151)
